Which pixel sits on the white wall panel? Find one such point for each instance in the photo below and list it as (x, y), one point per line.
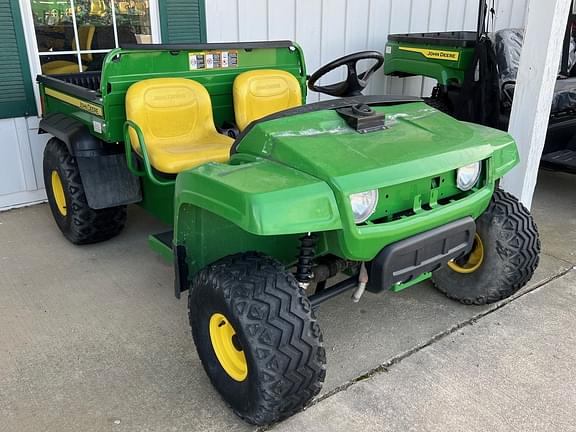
(357, 23)
(400, 20)
(309, 34)
(327, 29)
(256, 12)
(281, 19)
(21, 150)
(518, 13)
(222, 20)
(379, 27)
(12, 173)
(456, 15)
(333, 18)
(470, 15)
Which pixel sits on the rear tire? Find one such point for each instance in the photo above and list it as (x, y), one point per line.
(78, 222)
(276, 333)
(511, 253)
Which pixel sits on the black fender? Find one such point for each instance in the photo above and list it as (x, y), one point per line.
(103, 169)
(76, 136)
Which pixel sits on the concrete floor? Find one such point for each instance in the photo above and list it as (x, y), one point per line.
(511, 371)
(92, 339)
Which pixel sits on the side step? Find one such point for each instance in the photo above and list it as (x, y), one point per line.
(561, 160)
(161, 243)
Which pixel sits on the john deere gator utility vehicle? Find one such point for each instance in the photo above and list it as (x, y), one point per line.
(269, 198)
(476, 75)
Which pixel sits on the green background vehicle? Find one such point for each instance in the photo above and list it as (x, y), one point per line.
(476, 78)
(270, 198)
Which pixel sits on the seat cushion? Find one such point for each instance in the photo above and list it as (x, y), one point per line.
(564, 95)
(564, 98)
(508, 46)
(175, 115)
(263, 92)
(172, 159)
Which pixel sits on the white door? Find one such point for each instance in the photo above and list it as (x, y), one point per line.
(62, 37)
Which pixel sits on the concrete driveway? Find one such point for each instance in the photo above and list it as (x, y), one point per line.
(92, 339)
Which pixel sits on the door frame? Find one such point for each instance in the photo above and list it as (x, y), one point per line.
(32, 45)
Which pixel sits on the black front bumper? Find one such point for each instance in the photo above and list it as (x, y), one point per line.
(405, 260)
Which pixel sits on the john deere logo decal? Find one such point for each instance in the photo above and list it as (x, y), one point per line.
(435, 54)
(86, 106)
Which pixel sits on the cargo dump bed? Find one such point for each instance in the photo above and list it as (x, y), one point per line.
(443, 56)
(456, 39)
(86, 80)
(96, 99)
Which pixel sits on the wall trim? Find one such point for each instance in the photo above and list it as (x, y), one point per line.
(22, 199)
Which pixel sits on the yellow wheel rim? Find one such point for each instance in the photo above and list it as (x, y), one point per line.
(227, 348)
(58, 192)
(473, 261)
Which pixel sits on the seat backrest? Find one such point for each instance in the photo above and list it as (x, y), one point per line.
(98, 8)
(85, 38)
(170, 112)
(508, 47)
(262, 92)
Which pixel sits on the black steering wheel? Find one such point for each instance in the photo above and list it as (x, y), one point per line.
(354, 82)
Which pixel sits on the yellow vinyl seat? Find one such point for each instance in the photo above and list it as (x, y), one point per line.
(263, 92)
(57, 67)
(175, 117)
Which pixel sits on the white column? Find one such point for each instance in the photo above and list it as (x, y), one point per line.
(541, 52)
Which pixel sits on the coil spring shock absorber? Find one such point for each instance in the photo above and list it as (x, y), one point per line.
(306, 260)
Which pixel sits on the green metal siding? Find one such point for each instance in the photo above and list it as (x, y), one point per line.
(16, 94)
(182, 21)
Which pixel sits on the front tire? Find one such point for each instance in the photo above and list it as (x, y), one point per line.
(503, 259)
(257, 337)
(78, 222)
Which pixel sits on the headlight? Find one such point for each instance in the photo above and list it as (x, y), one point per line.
(468, 176)
(363, 205)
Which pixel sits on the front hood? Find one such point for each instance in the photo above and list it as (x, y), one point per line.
(419, 141)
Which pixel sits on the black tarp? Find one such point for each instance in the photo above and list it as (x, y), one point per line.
(479, 101)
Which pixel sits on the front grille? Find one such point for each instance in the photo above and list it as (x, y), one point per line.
(427, 194)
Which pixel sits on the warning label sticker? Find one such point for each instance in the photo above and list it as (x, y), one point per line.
(233, 58)
(212, 59)
(197, 60)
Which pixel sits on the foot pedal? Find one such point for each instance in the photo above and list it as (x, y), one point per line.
(561, 160)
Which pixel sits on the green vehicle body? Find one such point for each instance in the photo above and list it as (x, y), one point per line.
(419, 55)
(293, 174)
(324, 180)
(123, 67)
